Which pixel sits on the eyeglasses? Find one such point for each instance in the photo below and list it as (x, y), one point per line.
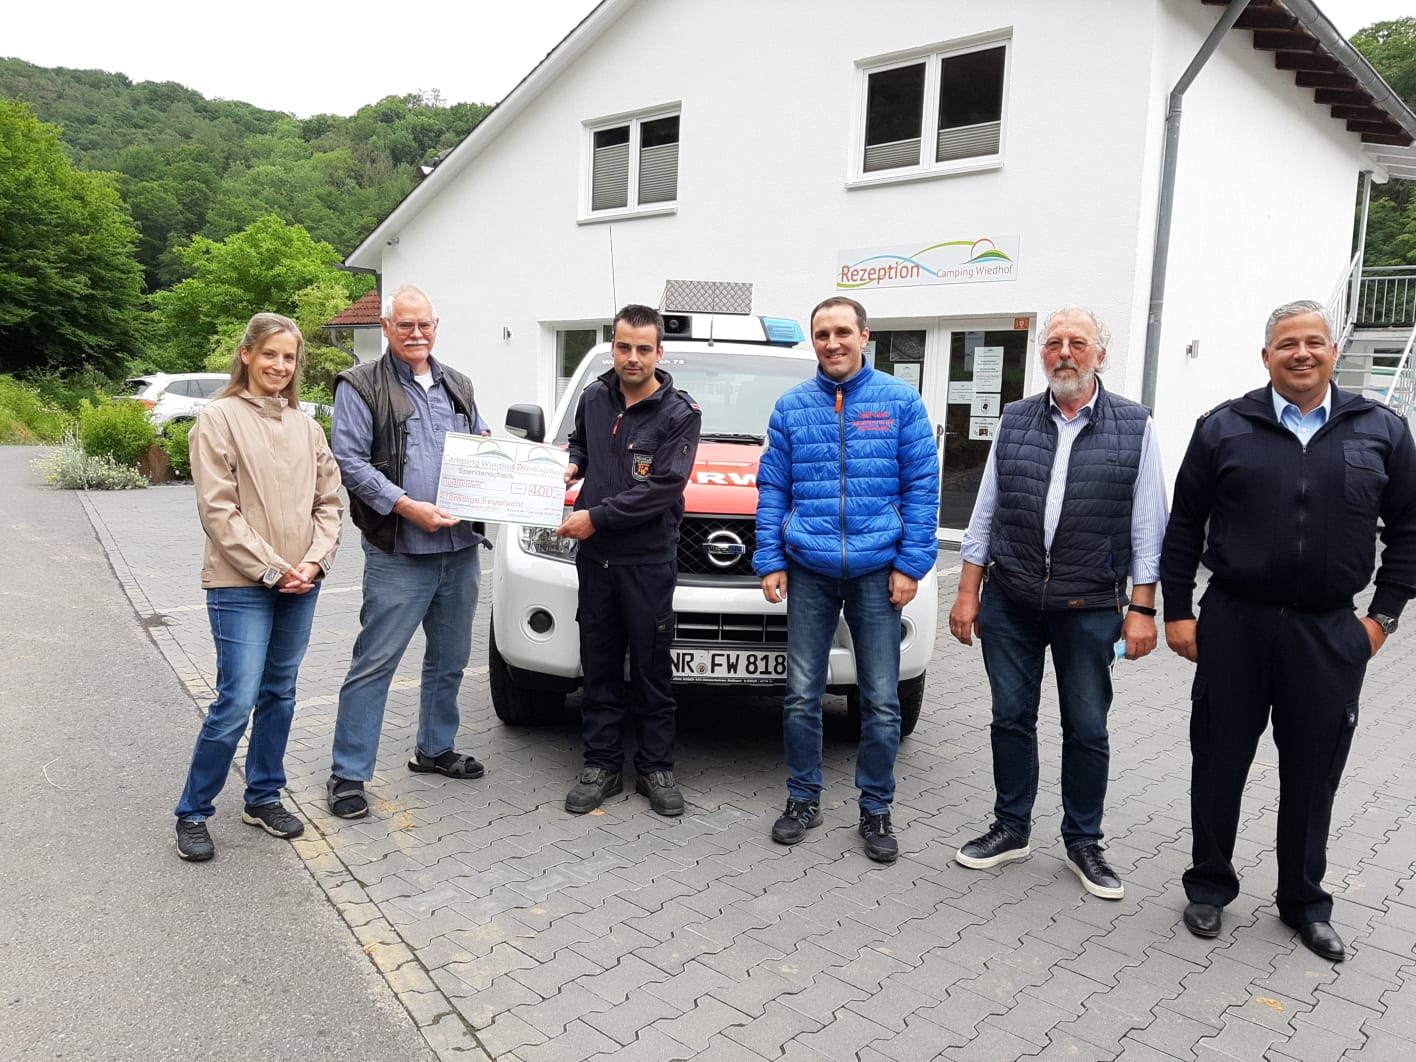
(406, 328)
(1074, 346)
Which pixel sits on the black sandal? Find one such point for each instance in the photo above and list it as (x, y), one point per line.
(346, 798)
(451, 764)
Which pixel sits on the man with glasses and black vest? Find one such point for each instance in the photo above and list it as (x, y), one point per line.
(1070, 510)
(421, 564)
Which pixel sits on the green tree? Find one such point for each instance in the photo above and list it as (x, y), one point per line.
(323, 358)
(1391, 48)
(265, 266)
(70, 288)
(1391, 226)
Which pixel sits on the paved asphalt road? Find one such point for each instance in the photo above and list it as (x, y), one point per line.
(111, 947)
(510, 930)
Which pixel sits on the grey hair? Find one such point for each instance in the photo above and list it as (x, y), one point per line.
(1297, 309)
(1103, 334)
(406, 289)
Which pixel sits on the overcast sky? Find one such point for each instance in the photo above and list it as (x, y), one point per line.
(312, 58)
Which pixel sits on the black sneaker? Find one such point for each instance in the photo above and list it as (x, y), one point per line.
(662, 791)
(194, 842)
(994, 847)
(880, 843)
(274, 819)
(593, 787)
(800, 816)
(1097, 877)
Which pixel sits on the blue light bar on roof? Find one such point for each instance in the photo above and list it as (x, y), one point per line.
(782, 330)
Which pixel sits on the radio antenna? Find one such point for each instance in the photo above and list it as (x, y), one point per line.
(614, 294)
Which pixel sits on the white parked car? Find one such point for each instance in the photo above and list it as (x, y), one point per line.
(174, 397)
(727, 633)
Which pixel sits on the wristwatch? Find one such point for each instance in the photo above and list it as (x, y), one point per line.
(1386, 623)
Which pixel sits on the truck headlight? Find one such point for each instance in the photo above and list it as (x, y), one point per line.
(544, 542)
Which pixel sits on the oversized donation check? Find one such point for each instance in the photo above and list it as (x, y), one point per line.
(506, 481)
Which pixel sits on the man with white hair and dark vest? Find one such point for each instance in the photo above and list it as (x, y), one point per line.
(1280, 496)
(421, 564)
(1070, 509)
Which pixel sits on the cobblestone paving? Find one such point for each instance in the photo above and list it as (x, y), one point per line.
(512, 930)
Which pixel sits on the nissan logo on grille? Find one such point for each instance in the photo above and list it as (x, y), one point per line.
(723, 549)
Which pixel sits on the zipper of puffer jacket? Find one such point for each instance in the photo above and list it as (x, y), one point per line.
(841, 419)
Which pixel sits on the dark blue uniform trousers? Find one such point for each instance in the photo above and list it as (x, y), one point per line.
(1306, 668)
(627, 607)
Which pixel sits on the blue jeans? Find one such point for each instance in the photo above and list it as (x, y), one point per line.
(1014, 638)
(260, 638)
(401, 591)
(814, 604)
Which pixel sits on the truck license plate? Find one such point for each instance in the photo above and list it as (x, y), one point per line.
(730, 665)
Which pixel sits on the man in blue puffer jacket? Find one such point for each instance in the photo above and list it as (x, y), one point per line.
(848, 502)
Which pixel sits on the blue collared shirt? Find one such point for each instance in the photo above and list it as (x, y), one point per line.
(433, 417)
(1148, 506)
(1302, 425)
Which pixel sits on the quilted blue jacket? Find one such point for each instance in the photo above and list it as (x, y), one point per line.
(850, 480)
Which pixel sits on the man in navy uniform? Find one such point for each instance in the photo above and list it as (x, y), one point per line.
(634, 442)
(1280, 496)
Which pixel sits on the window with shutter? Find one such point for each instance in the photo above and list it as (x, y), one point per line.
(658, 160)
(634, 164)
(940, 111)
(970, 104)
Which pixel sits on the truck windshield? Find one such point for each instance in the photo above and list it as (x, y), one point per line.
(736, 389)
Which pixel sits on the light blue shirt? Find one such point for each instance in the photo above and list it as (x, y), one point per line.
(1148, 508)
(1302, 425)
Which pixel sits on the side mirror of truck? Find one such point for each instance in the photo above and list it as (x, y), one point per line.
(526, 421)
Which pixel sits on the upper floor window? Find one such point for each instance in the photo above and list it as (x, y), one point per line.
(634, 163)
(940, 111)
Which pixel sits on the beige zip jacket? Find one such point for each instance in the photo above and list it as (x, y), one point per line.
(267, 491)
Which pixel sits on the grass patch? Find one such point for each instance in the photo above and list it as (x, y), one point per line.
(26, 418)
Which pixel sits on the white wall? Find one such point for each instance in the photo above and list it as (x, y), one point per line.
(768, 92)
(1264, 215)
(368, 344)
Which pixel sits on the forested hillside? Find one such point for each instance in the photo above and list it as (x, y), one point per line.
(189, 166)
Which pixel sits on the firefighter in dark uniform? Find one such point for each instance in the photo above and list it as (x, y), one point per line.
(1280, 495)
(634, 442)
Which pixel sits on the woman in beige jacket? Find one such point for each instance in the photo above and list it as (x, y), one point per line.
(268, 497)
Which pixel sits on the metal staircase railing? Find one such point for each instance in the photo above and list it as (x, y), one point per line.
(1382, 300)
(1339, 304)
(1402, 390)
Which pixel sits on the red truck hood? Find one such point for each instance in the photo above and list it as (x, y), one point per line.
(723, 482)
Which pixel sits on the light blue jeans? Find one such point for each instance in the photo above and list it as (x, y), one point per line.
(814, 604)
(401, 591)
(260, 638)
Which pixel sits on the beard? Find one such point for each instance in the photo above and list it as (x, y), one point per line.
(1069, 382)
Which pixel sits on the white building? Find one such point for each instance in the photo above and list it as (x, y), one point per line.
(961, 167)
